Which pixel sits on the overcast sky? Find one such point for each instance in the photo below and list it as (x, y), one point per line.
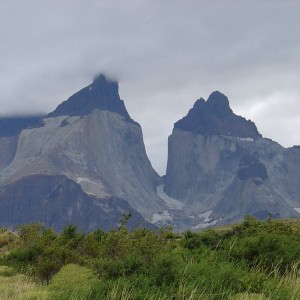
(165, 54)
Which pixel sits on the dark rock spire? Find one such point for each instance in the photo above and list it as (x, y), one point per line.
(215, 117)
(102, 94)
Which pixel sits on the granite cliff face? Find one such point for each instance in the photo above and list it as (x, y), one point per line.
(91, 140)
(220, 168)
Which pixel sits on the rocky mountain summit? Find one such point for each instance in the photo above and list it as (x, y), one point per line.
(102, 94)
(215, 117)
(221, 168)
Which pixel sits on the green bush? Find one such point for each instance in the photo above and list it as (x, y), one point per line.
(21, 256)
(268, 250)
(45, 268)
(166, 268)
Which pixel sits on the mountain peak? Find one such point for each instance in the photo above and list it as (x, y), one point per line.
(199, 104)
(217, 96)
(102, 94)
(215, 117)
(219, 103)
(102, 80)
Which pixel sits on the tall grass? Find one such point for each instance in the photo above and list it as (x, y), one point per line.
(20, 287)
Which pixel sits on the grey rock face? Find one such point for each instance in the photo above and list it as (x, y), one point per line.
(220, 168)
(101, 151)
(285, 171)
(8, 146)
(91, 140)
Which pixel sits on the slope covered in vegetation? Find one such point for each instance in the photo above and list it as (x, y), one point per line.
(252, 260)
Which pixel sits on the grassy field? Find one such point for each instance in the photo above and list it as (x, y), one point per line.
(252, 260)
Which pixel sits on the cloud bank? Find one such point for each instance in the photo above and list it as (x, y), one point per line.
(165, 54)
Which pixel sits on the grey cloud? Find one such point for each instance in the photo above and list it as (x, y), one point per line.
(165, 54)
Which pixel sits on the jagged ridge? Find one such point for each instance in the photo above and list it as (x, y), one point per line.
(215, 117)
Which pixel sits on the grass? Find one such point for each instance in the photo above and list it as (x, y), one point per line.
(19, 287)
(74, 281)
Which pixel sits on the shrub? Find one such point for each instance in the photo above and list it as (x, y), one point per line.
(166, 268)
(46, 267)
(191, 240)
(30, 233)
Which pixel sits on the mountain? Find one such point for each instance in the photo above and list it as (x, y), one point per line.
(85, 163)
(221, 168)
(88, 144)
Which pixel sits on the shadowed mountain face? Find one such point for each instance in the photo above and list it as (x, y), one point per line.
(12, 126)
(220, 168)
(57, 201)
(90, 140)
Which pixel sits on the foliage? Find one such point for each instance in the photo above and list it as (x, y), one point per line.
(252, 260)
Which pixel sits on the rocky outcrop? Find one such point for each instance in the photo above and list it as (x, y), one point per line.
(220, 169)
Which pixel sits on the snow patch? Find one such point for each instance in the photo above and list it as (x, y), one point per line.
(206, 220)
(204, 225)
(297, 209)
(81, 179)
(205, 216)
(247, 139)
(164, 216)
(170, 202)
(91, 187)
(105, 207)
